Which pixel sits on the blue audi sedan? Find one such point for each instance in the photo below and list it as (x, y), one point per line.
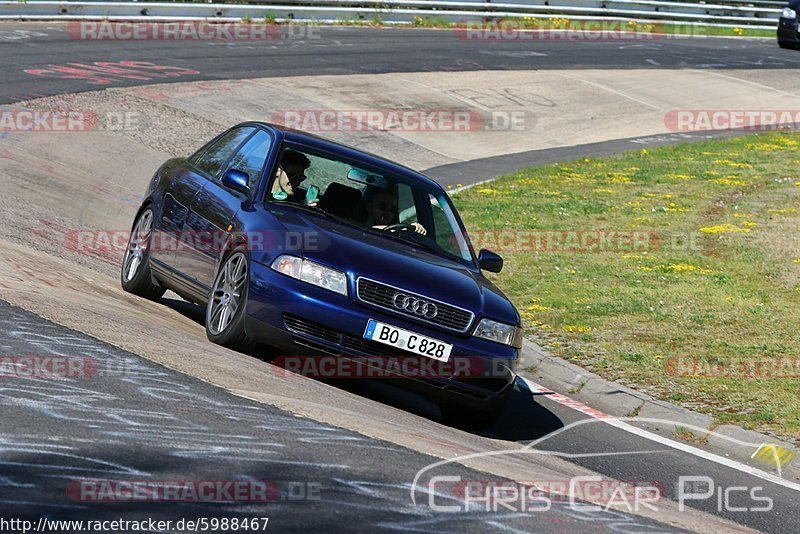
(315, 249)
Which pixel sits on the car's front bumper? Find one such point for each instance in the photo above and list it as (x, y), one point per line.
(299, 319)
(787, 32)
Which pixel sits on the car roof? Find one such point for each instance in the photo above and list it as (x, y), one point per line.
(314, 141)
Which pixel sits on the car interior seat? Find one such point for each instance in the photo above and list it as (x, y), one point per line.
(340, 200)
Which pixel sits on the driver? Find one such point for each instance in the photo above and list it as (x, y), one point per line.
(381, 208)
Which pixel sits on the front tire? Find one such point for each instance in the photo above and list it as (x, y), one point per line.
(135, 274)
(227, 302)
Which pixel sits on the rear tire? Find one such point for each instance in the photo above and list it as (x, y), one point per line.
(225, 310)
(135, 274)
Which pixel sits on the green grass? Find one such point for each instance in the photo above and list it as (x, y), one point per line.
(557, 23)
(717, 281)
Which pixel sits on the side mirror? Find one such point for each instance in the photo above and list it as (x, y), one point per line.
(489, 261)
(236, 180)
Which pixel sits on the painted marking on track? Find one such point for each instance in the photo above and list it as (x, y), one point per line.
(105, 73)
(612, 91)
(773, 455)
(754, 84)
(683, 447)
(565, 401)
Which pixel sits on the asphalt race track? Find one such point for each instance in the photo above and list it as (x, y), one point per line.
(339, 456)
(138, 420)
(330, 50)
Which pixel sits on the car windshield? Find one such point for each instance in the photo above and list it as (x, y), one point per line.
(395, 207)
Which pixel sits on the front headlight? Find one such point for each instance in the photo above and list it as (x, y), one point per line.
(499, 332)
(789, 13)
(311, 272)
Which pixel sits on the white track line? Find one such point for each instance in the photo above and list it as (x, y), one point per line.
(609, 90)
(683, 447)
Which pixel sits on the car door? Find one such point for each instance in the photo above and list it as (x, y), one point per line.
(184, 184)
(215, 207)
(198, 172)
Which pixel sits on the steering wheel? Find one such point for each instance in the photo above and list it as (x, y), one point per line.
(400, 227)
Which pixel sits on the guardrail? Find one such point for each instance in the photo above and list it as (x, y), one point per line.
(754, 14)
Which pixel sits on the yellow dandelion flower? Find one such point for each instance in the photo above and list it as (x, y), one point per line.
(537, 307)
(728, 181)
(726, 228)
(577, 328)
(683, 268)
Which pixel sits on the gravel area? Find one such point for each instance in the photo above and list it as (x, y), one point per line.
(154, 124)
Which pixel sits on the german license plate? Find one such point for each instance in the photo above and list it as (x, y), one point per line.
(407, 341)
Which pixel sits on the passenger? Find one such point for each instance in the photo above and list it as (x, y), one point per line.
(291, 173)
(381, 209)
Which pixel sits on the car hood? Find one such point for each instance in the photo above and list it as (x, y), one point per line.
(393, 262)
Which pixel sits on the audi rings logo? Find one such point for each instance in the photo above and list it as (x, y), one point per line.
(420, 307)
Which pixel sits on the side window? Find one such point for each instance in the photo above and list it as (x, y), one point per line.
(405, 205)
(218, 153)
(442, 229)
(252, 156)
